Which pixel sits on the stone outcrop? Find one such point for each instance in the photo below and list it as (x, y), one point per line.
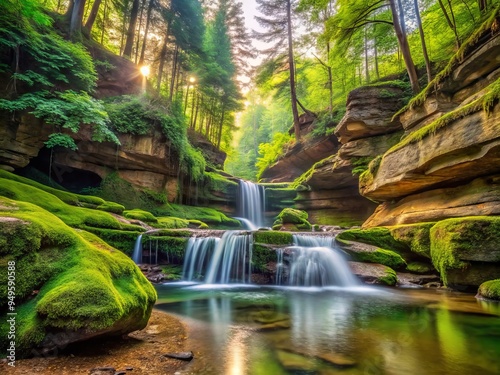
(448, 164)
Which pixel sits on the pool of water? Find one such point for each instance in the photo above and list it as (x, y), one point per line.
(242, 329)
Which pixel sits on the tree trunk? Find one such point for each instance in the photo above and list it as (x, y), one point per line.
(422, 40)
(93, 15)
(139, 31)
(104, 21)
(405, 49)
(127, 51)
(450, 23)
(482, 5)
(174, 72)
(163, 55)
(146, 30)
(330, 77)
(375, 56)
(402, 17)
(291, 64)
(367, 65)
(76, 17)
(221, 124)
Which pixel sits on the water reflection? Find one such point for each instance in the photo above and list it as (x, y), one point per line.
(302, 331)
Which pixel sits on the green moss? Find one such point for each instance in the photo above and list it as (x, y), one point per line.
(119, 239)
(172, 222)
(419, 267)
(453, 238)
(297, 219)
(382, 256)
(360, 164)
(72, 216)
(83, 283)
(209, 216)
(217, 182)
(379, 236)
(113, 207)
(273, 237)
(198, 224)
(490, 289)
(138, 214)
(306, 176)
(483, 103)
(466, 47)
(65, 196)
(172, 233)
(172, 246)
(261, 256)
(390, 278)
(415, 236)
(172, 272)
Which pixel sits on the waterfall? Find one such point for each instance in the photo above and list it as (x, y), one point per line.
(231, 260)
(314, 261)
(137, 254)
(251, 202)
(279, 266)
(197, 256)
(219, 261)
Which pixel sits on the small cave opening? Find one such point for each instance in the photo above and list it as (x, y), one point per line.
(70, 178)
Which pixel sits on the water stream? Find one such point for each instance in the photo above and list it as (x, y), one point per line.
(331, 330)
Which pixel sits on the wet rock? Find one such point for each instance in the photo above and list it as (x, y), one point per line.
(336, 359)
(283, 324)
(103, 371)
(296, 362)
(184, 356)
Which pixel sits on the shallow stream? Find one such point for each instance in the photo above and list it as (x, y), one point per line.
(242, 329)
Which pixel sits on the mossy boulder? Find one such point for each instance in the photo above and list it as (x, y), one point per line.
(490, 289)
(420, 268)
(172, 248)
(207, 215)
(465, 250)
(172, 223)
(414, 236)
(293, 220)
(70, 285)
(374, 273)
(113, 207)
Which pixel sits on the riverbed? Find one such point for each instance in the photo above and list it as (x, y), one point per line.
(244, 329)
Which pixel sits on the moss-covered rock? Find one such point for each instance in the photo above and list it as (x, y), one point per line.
(457, 244)
(382, 256)
(262, 256)
(414, 236)
(68, 282)
(420, 268)
(293, 220)
(270, 237)
(390, 278)
(113, 207)
(490, 289)
(380, 237)
(138, 214)
(207, 215)
(119, 239)
(172, 247)
(172, 222)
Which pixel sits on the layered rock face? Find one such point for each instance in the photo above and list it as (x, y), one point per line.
(448, 163)
(447, 166)
(366, 130)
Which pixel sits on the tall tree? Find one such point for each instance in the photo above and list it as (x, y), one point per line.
(93, 15)
(277, 19)
(422, 41)
(75, 15)
(127, 51)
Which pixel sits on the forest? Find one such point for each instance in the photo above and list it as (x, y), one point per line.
(249, 187)
(203, 70)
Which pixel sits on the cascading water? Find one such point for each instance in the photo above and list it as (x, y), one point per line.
(137, 254)
(232, 259)
(197, 256)
(219, 261)
(251, 203)
(314, 261)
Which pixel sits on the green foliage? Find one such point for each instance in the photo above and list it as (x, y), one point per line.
(270, 152)
(327, 121)
(129, 114)
(172, 272)
(61, 140)
(360, 164)
(111, 207)
(490, 289)
(269, 237)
